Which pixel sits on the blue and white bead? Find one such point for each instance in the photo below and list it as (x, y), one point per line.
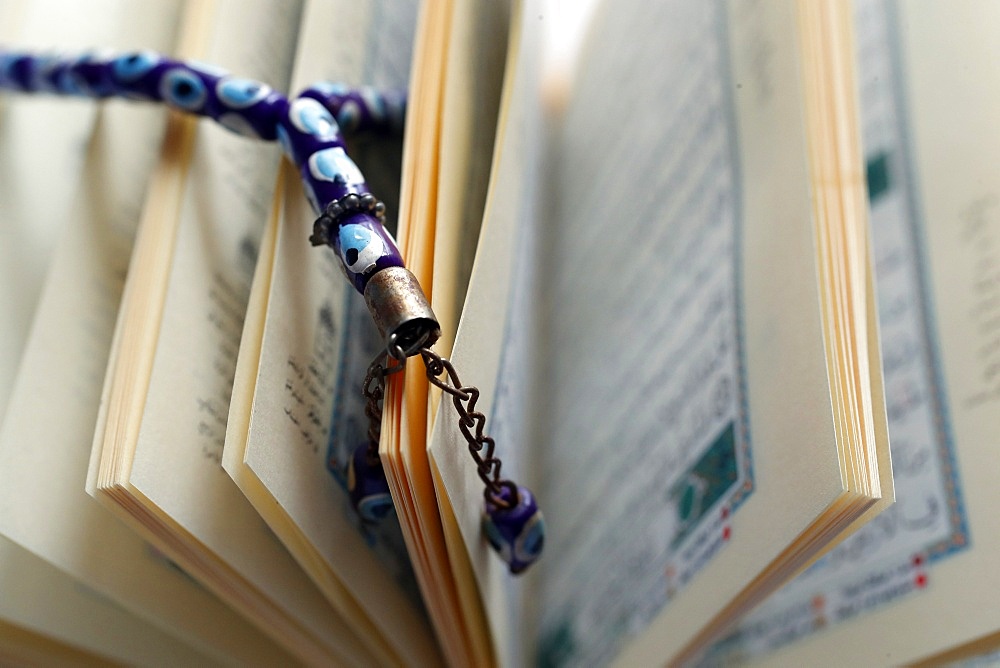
(130, 67)
(333, 165)
(517, 533)
(360, 248)
(182, 89)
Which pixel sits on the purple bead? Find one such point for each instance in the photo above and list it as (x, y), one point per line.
(364, 247)
(367, 487)
(310, 136)
(94, 76)
(362, 109)
(128, 69)
(139, 74)
(309, 127)
(516, 533)
(249, 108)
(17, 72)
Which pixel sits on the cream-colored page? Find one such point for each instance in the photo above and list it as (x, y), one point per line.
(940, 175)
(474, 76)
(40, 597)
(403, 434)
(468, 109)
(56, 392)
(664, 270)
(36, 595)
(176, 468)
(315, 343)
(483, 333)
(42, 145)
(895, 556)
(55, 399)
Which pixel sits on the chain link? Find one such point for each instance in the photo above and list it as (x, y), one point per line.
(472, 423)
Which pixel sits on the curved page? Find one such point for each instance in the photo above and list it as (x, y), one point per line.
(297, 410)
(83, 563)
(172, 362)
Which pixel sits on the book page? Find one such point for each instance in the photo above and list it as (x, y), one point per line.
(39, 136)
(665, 313)
(43, 599)
(456, 45)
(451, 125)
(681, 355)
(921, 577)
(474, 75)
(507, 247)
(23, 646)
(298, 411)
(54, 400)
(659, 293)
(64, 365)
(894, 556)
(174, 486)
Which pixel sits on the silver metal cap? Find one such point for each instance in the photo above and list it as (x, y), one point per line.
(401, 310)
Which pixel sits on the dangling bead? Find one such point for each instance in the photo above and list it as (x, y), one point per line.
(517, 533)
(367, 486)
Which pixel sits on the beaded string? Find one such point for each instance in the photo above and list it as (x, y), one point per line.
(309, 129)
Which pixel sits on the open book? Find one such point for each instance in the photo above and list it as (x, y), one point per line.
(671, 316)
(914, 586)
(643, 427)
(71, 575)
(693, 323)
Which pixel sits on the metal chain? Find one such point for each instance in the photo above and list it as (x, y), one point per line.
(472, 423)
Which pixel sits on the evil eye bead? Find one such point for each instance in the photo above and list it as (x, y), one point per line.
(131, 67)
(240, 93)
(183, 89)
(367, 487)
(94, 72)
(516, 533)
(312, 118)
(68, 80)
(333, 165)
(360, 248)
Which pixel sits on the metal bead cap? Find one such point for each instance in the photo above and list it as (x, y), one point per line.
(401, 311)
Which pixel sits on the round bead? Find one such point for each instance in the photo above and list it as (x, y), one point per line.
(516, 533)
(367, 487)
(184, 89)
